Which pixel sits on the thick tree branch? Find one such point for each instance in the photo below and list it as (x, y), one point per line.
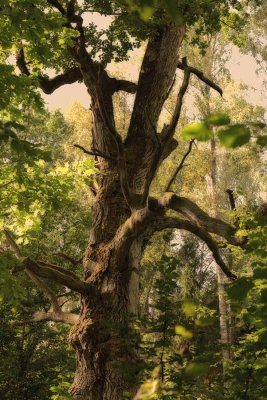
(57, 314)
(121, 158)
(180, 166)
(47, 85)
(58, 274)
(134, 226)
(183, 65)
(176, 223)
(56, 4)
(58, 268)
(52, 274)
(42, 316)
(124, 85)
(199, 217)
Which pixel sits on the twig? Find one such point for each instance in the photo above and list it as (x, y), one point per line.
(95, 153)
(180, 166)
(183, 65)
(169, 130)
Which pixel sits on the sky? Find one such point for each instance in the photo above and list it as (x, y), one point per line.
(242, 68)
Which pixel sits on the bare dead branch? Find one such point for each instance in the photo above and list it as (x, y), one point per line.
(48, 271)
(180, 166)
(169, 130)
(57, 314)
(176, 223)
(95, 153)
(42, 316)
(45, 289)
(182, 65)
(58, 268)
(199, 217)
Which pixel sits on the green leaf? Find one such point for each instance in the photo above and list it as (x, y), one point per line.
(240, 288)
(197, 130)
(234, 136)
(218, 119)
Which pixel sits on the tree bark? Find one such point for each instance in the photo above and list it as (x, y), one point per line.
(107, 364)
(223, 306)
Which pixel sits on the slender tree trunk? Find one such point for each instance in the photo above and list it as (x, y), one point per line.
(224, 310)
(223, 305)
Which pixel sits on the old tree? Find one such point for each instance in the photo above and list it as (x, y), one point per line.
(48, 44)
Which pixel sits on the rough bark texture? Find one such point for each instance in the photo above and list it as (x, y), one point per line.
(106, 361)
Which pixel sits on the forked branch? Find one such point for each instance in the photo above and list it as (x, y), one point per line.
(180, 166)
(47, 85)
(196, 215)
(47, 271)
(57, 314)
(169, 130)
(192, 70)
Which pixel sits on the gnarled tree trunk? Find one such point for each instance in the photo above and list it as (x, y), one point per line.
(106, 358)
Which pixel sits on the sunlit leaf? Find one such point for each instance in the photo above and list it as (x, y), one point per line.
(197, 130)
(185, 333)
